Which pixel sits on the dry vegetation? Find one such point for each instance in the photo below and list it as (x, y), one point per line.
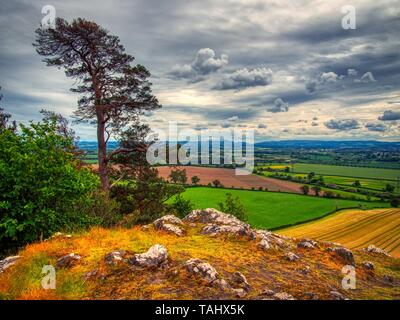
(356, 229)
(264, 270)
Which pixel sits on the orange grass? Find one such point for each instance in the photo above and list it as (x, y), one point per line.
(226, 254)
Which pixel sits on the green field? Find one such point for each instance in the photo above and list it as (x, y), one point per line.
(372, 173)
(273, 209)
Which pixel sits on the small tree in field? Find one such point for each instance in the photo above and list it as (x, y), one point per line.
(114, 92)
(216, 183)
(178, 176)
(305, 189)
(195, 180)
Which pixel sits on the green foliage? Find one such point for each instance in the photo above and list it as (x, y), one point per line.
(217, 184)
(389, 188)
(182, 206)
(234, 207)
(305, 189)
(357, 184)
(178, 176)
(195, 180)
(144, 196)
(395, 202)
(42, 187)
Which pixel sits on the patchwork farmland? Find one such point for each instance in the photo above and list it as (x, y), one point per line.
(228, 178)
(355, 229)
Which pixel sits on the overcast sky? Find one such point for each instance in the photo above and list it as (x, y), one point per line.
(284, 68)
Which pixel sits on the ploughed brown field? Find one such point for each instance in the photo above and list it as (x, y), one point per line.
(228, 178)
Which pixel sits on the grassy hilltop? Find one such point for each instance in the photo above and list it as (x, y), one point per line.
(316, 274)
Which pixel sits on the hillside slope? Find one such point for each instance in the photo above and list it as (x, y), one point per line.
(208, 255)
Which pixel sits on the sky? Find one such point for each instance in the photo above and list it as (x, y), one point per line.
(287, 69)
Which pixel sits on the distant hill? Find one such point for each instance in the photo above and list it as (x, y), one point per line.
(284, 144)
(324, 144)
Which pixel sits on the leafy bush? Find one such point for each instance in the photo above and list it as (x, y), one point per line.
(181, 206)
(42, 187)
(234, 207)
(395, 202)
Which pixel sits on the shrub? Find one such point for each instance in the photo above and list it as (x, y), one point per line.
(195, 180)
(178, 176)
(305, 189)
(395, 202)
(42, 187)
(181, 206)
(144, 196)
(234, 207)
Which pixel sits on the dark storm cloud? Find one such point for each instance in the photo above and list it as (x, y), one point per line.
(377, 127)
(279, 106)
(245, 78)
(204, 63)
(342, 125)
(299, 40)
(390, 115)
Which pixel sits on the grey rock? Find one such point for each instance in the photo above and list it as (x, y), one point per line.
(219, 223)
(290, 256)
(373, 249)
(307, 244)
(204, 269)
(91, 274)
(345, 254)
(68, 260)
(240, 280)
(8, 262)
(265, 245)
(283, 296)
(114, 257)
(336, 295)
(267, 292)
(169, 224)
(240, 293)
(221, 284)
(156, 256)
(59, 235)
(368, 265)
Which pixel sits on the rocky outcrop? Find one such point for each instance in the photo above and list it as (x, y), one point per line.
(345, 254)
(336, 295)
(290, 256)
(283, 296)
(170, 224)
(68, 260)
(204, 269)
(271, 240)
(373, 249)
(8, 262)
(219, 223)
(368, 265)
(238, 279)
(307, 244)
(114, 257)
(58, 235)
(155, 257)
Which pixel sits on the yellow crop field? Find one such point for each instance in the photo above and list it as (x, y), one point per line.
(355, 229)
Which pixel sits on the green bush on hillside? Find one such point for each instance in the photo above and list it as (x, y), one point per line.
(234, 207)
(42, 187)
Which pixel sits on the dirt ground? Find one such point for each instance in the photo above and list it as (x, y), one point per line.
(228, 178)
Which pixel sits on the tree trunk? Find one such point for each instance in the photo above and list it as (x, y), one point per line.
(102, 151)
